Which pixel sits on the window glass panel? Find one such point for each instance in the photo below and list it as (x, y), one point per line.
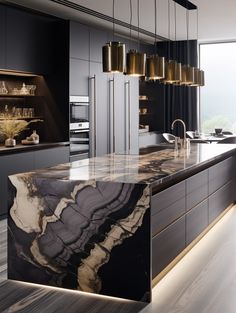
(218, 96)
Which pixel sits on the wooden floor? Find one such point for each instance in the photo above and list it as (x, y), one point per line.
(204, 281)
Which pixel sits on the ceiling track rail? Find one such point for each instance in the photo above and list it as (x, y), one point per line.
(107, 18)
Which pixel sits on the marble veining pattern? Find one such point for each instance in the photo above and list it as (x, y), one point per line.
(65, 233)
(153, 168)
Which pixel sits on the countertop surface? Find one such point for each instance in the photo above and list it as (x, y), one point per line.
(24, 148)
(150, 167)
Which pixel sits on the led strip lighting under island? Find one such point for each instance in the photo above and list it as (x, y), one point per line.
(110, 225)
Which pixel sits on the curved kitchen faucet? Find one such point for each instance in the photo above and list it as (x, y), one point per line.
(184, 126)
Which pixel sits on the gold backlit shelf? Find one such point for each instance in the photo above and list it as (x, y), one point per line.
(10, 95)
(22, 118)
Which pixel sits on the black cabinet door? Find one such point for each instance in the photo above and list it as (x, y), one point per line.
(79, 77)
(28, 40)
(51, 157)
(98, 39)
(12, 164)
(196, 189)
(2, 37)
(196, 221)
(167, 245)
(79, 41)
(220, 174)
(219, 201)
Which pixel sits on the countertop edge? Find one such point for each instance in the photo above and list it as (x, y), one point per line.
(40, 146)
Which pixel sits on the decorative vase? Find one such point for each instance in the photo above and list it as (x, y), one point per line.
(10, 142)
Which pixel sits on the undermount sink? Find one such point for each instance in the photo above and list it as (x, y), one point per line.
(155, 148)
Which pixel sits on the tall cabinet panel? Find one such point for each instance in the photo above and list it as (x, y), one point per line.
(99, 110)
(2, 37)
(79, 41)
(79, 73)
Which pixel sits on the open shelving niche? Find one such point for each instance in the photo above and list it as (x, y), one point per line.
(37, 101)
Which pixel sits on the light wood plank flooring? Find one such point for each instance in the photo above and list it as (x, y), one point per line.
(204, 281)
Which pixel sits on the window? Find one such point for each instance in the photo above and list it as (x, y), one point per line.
(218, 96)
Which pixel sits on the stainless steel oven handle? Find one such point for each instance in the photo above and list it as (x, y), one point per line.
(111, 117)
(94, 108)
(79, 131)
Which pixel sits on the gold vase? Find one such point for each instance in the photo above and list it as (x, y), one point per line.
(10, 142)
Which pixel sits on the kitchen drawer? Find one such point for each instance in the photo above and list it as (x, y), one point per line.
(167, 245)
(220, 174)
(196, 221)
(219, 201)
(167, 216)
(196, 189)
(167, 197)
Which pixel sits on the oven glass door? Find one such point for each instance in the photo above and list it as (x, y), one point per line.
(79, 112)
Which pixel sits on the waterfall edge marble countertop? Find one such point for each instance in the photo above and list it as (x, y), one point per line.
(87, 225)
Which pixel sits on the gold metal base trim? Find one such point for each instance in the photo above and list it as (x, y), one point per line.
(189, 247)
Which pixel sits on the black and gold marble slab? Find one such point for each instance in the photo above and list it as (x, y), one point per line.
(85, 235)
(86, 225)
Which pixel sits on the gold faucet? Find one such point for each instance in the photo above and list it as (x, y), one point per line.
(184, 126)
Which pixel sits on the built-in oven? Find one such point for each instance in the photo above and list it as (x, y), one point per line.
(79, 128)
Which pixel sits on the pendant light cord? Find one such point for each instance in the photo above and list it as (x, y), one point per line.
(131, 14)
(138, 25)
(155, 14)
(175, 33)
(113, 15)
(169, 29)
(187, 24)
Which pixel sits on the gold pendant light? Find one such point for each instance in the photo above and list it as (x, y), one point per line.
(113, 57)
(173, 71)
(187, 70)
(135, 60)
(135, 63)
(113, 53)
(155, 63)
(155, 67)
(187, 75)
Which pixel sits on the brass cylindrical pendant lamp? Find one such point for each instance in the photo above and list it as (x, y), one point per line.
(196, 82)
(135, 62)
(201, 78)
(155, 67)
(113, 57)
(187, 75)
(173, 72)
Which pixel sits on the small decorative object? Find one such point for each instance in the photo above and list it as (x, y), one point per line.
(3, 89)
(24, 90)
(33, 139)
(143, 97)
(11, 128)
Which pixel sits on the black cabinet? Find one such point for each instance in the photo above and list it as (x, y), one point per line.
(219, 200)
(79, 41)
(28, 41)
(196, 221)
(51, 157)
(167, 245)
(2, 37)
(25, 162)
(98, 39)
(12, 164)
(220, 174)
(196, 189)
(79, 77)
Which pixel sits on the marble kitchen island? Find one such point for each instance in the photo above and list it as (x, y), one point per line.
(111, 224)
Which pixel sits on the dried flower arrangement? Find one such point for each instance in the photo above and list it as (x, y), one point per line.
(11, 128)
